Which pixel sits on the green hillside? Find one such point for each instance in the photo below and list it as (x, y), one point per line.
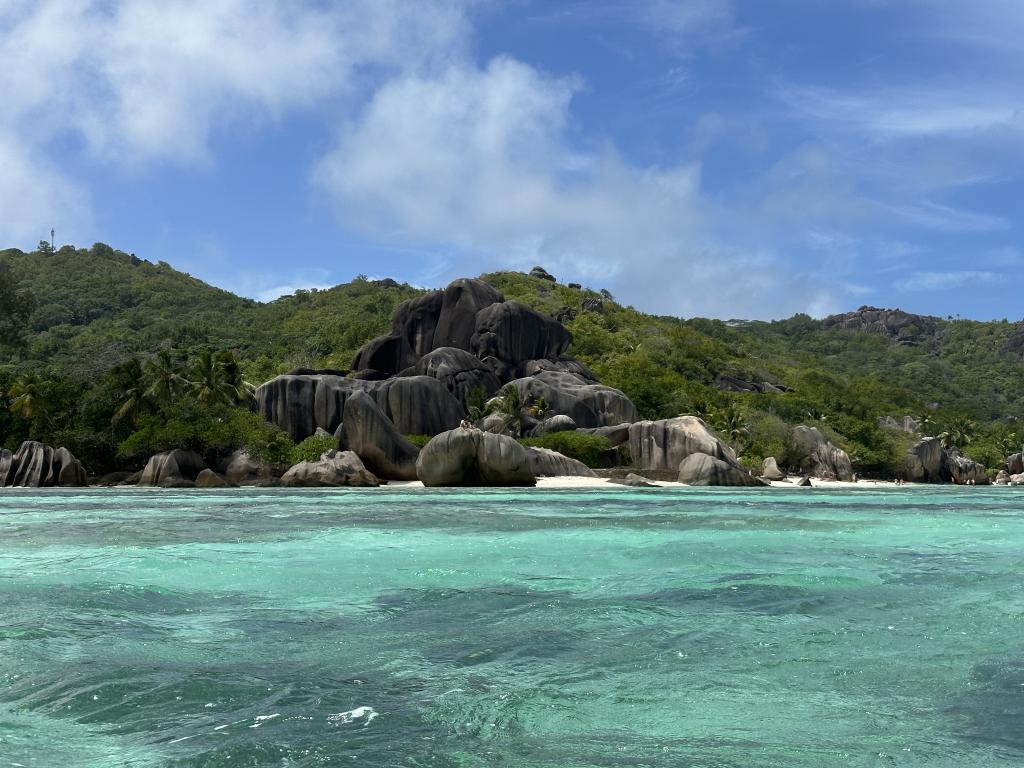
(75, 320)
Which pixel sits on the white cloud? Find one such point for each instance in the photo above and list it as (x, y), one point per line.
(475, 158)
(940, 281)
(943, 218)
(133, 82)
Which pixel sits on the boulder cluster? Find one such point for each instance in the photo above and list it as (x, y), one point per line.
(1013, 472)
(928, 462)
(903, 327)
(35, 465)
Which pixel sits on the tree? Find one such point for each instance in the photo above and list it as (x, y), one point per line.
(29, 399)
(730, 422)
(508, 404)
(959, 432)
(132, 382)
(164, 380)
(16, 306)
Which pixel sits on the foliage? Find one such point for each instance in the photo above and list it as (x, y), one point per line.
(312, 448)
(418, 440)
(575, 445)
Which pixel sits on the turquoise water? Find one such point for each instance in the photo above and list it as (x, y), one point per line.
(617, 628)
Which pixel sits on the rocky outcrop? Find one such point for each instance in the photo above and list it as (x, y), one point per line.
(906, 424)
(383, 449)
(548, 463)
(903, 327)
(334, 469)
(562, 364)
(617, 434)
(804, 482)
(458, 370)
(417, 405)
(510, 333)
(588, 404)
(662, 445)
(470, 457)
(1014, 345)
(542, 273)
(1017, 479)
(210, 479)
(964, 471)
(1015, 463)
(559, 423)
(735, 384)
(36, 465)
(241, 468)
(770, 470)
(926, 461)
(1003, 478)
(816, 454)
(702, 469)
(172, 469)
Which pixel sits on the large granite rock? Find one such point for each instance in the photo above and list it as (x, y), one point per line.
(904, 327)
(586, 403)
(633, 480)
(1003, 478)
(770, 470)
(240, 468)
(172, 469)
(36, 465)
(210, 479)
(1015, 463)
(925, 461)
(383, 449)
(817, 454)
(557, 423)
(470, 457)
(1017, 479)
(964, 471)
(562, 364)
(702, 469)
(417, 405)
(334, 469)
(617, 434)
(662, 445)
(547, 463)
(459, 371)
(513, 333)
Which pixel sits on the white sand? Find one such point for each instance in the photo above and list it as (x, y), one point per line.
(601, 482)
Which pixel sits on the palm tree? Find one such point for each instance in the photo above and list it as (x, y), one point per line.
(508, 404)
(958, 433)
(133, 385)
(164, 381)
(212, 379)
(730, 423)
(29, 398)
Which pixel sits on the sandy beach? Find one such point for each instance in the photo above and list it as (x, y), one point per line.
(601, 482)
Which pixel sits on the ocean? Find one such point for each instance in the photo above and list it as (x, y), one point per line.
(491, 627)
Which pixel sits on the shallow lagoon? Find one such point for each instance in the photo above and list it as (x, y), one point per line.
(528, 628)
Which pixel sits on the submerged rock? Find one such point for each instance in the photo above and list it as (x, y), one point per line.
(470, 457)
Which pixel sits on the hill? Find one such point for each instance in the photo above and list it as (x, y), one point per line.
(87, 313)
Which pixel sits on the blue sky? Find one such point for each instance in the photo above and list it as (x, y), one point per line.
(723, 158)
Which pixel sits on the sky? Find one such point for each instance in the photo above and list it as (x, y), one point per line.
(724, 158)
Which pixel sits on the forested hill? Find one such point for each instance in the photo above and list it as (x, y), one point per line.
(71, 319)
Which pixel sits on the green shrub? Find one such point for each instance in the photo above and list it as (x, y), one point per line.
(575, 445)
(312, 448)
(418, 440)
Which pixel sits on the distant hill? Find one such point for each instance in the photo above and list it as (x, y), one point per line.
(95, 308)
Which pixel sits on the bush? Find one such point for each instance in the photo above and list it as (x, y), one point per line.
(312, 448)
(575, 445)
(209, 431)
(418, 440)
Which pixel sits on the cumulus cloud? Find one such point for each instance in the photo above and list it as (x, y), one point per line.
(143, 81)
(482, 158)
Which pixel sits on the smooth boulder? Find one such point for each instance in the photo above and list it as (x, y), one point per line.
(334, 469)
(241, 468)
(557, 423)
(662, 445)
(210, 479)
(471, 457)
(633, 480)
(586, 403)
(964, 471)
(925, 461)
(36, 465)
(172, 469)
(704, 470)
(547, 463)
(383, 449)
(459, 371)
(770, 470)
(513, 333)
(1015, 464)
(818, 455)
(617, 434)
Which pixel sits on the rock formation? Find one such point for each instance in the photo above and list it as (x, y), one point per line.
(172, 469)
(558, 423)
(702, 469)
(734, 384)
(818, 455)
(334, 469)
(242, 469)
(633, 480)
(1015, 463)
(903, 327)
(443, 346)
(547, 463)
(471, 457)
(618, 434)
(662, 445)
(210, 479)
(373, 437)
(925, 461)
(770, 470)
(964, 471)
(35, 465)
